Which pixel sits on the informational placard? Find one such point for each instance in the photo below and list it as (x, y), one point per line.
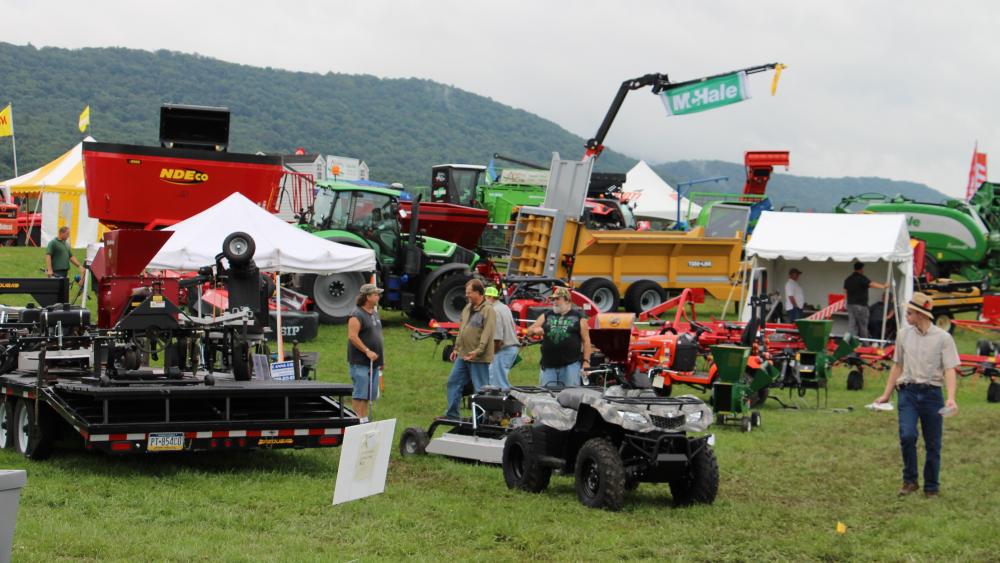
(364, 460)
(283, 371)
(261, 366)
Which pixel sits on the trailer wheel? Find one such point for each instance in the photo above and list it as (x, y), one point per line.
(993, 392)
(602, 292)
(600, 475)
(446, 352)
(33, 441)
(746, 424)
(334, 295)
(943, 321)
(643, 295)
(760, 397)
(238, 248)
(755, 418)
(701, 482)
(413, 442)
(521, 469)
(447, 298)
(8, 361)
(6, 423)
(984, 347)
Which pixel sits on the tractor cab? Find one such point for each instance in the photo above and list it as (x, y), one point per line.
(370, 214)
(456, 183)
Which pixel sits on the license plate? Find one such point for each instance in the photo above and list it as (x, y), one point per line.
(658, 382)
(172, 442)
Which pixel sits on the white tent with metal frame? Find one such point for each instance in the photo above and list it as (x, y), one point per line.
(824, 247)
(653, 198)
(280, 247)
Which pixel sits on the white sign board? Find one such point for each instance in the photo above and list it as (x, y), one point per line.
(283, 371)
(364, 460)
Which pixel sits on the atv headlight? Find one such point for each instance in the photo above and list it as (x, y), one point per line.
(633, 417)
(693, 417)
(698, 420)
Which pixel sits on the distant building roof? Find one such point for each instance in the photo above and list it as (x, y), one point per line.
(299, 158)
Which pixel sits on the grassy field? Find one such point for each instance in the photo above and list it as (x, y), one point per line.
(784, 487)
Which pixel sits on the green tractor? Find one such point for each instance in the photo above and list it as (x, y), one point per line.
(422, 276)
(957, 237)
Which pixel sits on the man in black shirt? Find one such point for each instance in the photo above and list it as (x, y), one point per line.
(857, 286)
(565, 341)
(364, 349)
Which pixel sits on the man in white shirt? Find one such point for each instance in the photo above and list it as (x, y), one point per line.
(794, 298)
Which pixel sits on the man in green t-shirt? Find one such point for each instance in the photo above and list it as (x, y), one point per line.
(58, 256)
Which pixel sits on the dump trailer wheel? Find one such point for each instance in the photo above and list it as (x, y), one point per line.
(6, 422)
(643, 295)
(701, 482)
(447, 298)
(334, 296)
(33, 441)
(521, 469)
(943, 321)
(413, 442)
(602, 292)
(600, 475)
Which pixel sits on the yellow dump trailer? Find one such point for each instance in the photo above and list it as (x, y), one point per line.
(635, 267)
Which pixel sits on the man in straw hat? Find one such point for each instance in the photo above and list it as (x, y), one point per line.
(925, 360)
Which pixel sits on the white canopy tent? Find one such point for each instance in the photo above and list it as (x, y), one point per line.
(654, 198)
(825, 245)
(280, 247)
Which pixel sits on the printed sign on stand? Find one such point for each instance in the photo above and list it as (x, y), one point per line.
(283, 371)
(364, 460)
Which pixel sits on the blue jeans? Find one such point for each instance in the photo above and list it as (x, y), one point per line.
(461, 373)
(923, 405)
(359, 377)
(794, 314)
(502, 362)
(567, 375)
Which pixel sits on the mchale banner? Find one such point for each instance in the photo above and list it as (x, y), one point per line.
(708, 94)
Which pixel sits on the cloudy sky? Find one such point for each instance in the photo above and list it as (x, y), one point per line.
(893, 89)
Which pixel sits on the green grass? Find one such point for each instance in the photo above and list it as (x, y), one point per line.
(783, 489)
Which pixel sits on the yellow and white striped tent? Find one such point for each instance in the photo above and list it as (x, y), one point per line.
(62, 189)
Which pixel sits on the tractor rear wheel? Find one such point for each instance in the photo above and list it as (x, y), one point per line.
(521, 469)
(334, 296)
(447, 298)
(600, 475)
(701, 483)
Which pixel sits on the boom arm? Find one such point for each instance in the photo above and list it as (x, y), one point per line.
(659, 82)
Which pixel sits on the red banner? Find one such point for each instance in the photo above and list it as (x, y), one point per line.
(977, 172)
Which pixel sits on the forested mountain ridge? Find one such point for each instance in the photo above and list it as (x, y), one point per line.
(400, 127)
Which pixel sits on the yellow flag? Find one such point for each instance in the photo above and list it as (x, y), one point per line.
(6, 122)
(85, 119)
(777, 76)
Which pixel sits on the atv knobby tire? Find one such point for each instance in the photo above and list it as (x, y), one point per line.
(701, 483)
(521, 469)
(600, 475)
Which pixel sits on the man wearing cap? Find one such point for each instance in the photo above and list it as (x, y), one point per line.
(473, 347)
(364, 349)
(925, 360)
(505, 344)
(794, 298)
(857, 285)
(565, 341)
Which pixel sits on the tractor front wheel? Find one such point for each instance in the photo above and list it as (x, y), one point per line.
(447, 299)
(334, 296)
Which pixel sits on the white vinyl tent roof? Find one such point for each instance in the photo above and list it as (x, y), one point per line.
(656, 199)
(824, 247)
(280, 247)
(839, 237)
